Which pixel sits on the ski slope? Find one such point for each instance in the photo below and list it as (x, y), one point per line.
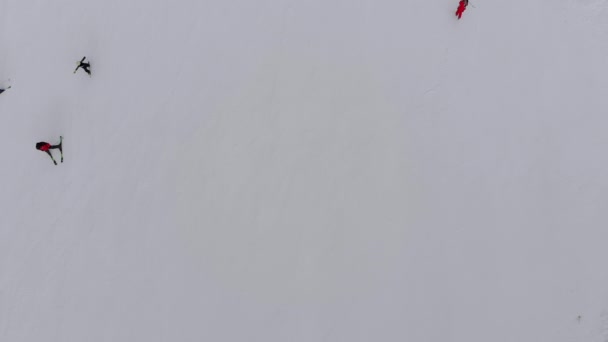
(304, 171)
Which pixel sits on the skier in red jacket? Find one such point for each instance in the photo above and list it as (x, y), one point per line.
(46, 147)
(462, 5)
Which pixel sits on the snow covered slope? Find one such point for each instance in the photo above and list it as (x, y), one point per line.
(304, 171)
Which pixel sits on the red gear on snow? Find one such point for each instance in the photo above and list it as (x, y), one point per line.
(462, 5)
(43, 146)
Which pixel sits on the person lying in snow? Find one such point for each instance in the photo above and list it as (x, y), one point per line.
(46, 147)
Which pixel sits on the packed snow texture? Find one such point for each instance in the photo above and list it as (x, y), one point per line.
(304, 171)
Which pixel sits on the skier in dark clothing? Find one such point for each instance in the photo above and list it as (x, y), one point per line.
(462, 5)
(84, 65)
(46, 147)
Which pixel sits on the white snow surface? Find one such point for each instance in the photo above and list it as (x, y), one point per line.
(319, 170)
